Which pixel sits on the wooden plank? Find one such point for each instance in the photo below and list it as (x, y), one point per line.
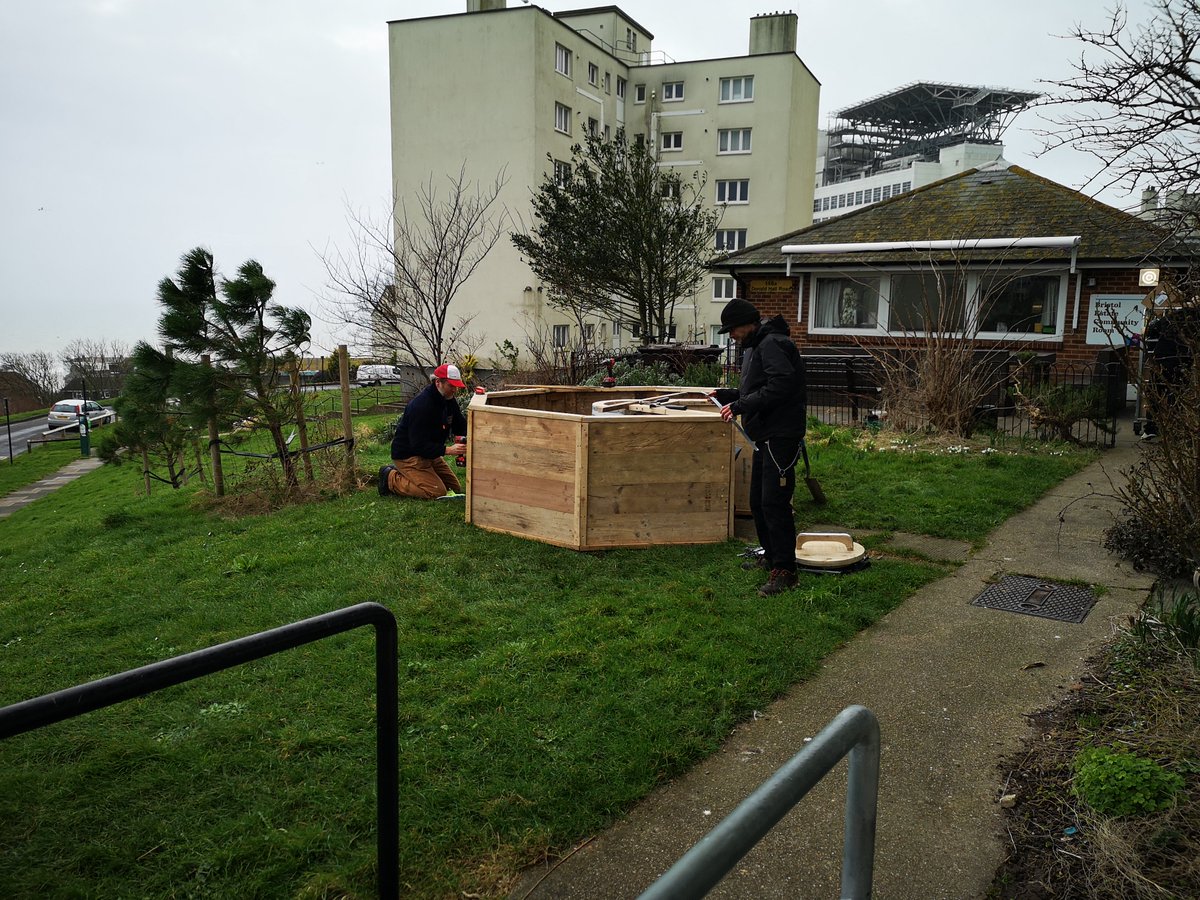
(516, 518)
(607, 500)
(632, 434)
(527, 430)
(664, 467)
(556, 464)
(643, 530)
(582, 470)
(530, 490)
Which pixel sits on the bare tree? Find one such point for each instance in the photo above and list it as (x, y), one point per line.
(100, 364)
(398, 280)
(1134, 103)
(40, 368)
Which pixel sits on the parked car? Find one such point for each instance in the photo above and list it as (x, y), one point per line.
(66, 412)
(373, 374)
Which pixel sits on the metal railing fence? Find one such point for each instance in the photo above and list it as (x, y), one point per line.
(854, 732)
(75, 701)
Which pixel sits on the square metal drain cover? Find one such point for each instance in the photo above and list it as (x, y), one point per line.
(1037, 597)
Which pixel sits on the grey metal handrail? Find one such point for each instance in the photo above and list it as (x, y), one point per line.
(75, 701)
(854, 731)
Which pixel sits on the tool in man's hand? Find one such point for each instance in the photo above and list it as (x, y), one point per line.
(814, 486)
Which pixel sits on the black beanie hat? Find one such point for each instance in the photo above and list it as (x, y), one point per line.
(738, 312)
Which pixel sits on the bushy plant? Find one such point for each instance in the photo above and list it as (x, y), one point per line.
(626, 372)
(1118, 783)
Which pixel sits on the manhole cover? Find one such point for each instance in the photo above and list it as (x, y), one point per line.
(1037, 597)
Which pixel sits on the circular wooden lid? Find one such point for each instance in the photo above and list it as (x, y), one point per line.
(828, 551)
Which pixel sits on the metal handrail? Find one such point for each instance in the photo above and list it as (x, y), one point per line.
(65, 704)
(854, 731)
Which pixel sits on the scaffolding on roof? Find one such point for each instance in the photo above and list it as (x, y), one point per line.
(915, 122)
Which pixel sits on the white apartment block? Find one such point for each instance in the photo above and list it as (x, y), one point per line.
(512, 89)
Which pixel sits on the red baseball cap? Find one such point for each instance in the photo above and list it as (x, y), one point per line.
(450, 374)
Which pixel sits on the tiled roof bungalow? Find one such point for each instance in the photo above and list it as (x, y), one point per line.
(1054, 266)
(1045, 297)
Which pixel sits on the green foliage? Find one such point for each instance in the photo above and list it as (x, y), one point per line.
(631, 372)
(508, 352)
(620, 235)
(1118, 783)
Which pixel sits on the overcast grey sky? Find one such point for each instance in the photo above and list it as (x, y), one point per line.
(134, 130)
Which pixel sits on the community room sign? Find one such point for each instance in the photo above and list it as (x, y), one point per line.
(1124, 309)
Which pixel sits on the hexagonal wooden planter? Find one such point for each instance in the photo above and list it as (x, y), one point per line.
(541, 465)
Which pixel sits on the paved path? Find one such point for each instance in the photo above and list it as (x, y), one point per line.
(10, 503)
(951, 684)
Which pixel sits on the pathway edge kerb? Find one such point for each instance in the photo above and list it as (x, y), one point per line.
(22, 497)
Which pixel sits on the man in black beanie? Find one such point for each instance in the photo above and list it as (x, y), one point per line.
(771, 401)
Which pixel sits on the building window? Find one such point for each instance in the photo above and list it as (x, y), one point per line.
(562, 118)
(816, 206)
(730, 239)
(1022, 305)
(593, 125)
(824, 204)
(670, 190)
(733, 191)
(844, 302)
(639, 139)
(589, 332)
(620, 88)
(562, 333)
(562, 60)
(737, 90)
(841, 200)
(639, 93)
(608, 82)
(887, 191)
(631, 39)
(608, 132)
(875, 195)
(562, 172)
(858, 198)
(733, 140)
(907, 186)
(672, 90)
(672, 140)
(920, 301)
(593, 74)
(724, 288)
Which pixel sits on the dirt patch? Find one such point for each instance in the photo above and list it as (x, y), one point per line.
(1136, 698)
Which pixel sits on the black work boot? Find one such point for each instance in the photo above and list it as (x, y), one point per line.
(383, 480)
(781, 580)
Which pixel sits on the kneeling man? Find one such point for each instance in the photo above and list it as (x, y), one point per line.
(418, 468)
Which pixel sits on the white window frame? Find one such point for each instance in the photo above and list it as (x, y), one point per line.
(560, 335)
(725, 138)
(562, 172)
(722, 239)
(562, 60)
(671, 141)
(672, 91)
(973, 279)
(639, 93)
(562, 118)
(593, 74)
(726, 92)
(724, 288)
(621, 82)
(733, 191)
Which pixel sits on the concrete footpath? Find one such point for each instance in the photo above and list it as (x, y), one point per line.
(10, 503)
(951, 684)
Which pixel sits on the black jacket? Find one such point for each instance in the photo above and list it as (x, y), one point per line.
(428, 422)
(771, 398)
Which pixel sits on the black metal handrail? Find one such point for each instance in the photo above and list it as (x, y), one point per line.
(854, 732)
(66, 704)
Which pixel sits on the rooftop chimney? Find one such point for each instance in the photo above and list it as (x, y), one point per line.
(773, 33)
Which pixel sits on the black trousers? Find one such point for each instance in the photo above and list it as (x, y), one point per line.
(771, 501)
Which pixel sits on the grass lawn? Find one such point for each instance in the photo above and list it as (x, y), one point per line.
(543, 691)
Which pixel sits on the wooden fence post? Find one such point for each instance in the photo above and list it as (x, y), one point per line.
(301, 423)
(347, 424)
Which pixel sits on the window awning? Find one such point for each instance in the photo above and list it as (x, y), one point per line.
(1005, 243)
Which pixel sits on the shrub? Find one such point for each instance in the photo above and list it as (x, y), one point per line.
(1116, 783)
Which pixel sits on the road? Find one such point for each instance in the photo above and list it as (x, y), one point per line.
(21, 432)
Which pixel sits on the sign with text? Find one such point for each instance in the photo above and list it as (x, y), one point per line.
(1124, 310)
(771, 284)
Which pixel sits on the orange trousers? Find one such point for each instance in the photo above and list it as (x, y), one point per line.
(422, 478)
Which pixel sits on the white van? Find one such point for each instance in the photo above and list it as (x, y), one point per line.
(371, 374)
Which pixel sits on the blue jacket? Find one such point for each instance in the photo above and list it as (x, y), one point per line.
(428, 422)
(771, 396)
